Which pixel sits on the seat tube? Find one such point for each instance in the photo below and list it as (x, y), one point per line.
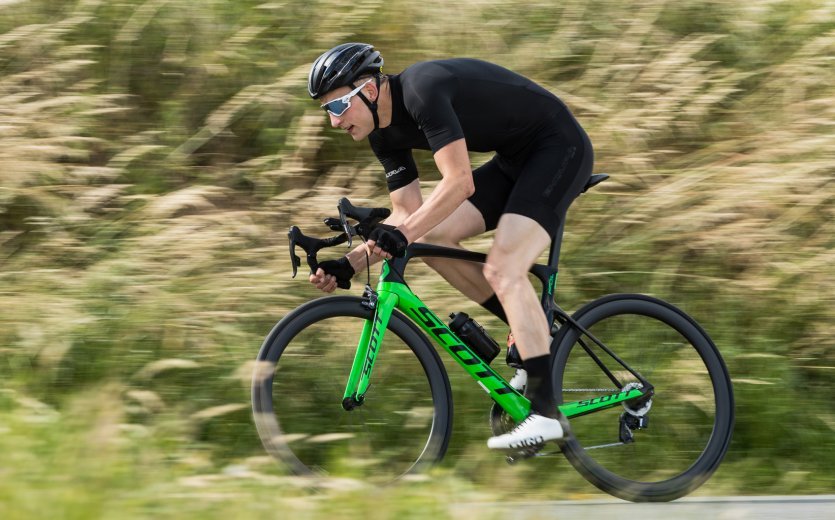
(556, 245)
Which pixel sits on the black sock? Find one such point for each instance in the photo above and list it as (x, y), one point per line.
(493, 305)
(540, 388)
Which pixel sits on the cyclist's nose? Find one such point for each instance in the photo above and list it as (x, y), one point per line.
(335, 121)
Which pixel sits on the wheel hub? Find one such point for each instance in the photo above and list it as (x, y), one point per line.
(643, 405)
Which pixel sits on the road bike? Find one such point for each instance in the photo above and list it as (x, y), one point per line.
(348, 386)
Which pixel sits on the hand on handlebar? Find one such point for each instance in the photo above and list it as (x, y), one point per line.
(331, 274)
(387, 241)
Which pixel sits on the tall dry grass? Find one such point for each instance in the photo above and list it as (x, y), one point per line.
(155, 152)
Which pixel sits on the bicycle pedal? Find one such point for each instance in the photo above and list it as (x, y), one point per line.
(531, 453)
(523, 455)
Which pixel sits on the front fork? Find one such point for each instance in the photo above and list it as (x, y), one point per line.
(383, 304)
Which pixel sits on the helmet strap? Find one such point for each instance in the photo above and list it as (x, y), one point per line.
(372, 106)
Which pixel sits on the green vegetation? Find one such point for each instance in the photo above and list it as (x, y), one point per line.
(154, 153)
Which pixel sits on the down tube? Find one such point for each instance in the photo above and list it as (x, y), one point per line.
(516, 405)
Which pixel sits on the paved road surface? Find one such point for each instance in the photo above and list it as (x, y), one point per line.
(819, 507)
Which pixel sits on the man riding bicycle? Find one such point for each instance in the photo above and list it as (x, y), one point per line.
(542, 161)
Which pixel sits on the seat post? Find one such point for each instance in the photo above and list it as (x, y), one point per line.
(556, 245)
(554, 257)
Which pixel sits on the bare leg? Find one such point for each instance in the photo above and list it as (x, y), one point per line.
(519, 242)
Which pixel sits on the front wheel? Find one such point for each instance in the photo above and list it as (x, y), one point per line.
(404, 422)
(652, 451)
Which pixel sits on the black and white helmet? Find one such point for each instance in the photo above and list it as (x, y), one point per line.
(341, 66)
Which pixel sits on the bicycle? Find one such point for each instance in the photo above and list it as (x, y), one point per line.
(319, 425)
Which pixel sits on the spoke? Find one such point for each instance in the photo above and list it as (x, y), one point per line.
(590, 390)
(612, 445)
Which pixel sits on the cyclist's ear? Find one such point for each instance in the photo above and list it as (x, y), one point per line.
(373, 89)
(373, 92)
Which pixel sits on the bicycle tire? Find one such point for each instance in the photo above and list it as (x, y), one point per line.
(404, 423)
(691, 416)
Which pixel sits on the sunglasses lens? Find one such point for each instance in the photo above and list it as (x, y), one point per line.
(336, 107)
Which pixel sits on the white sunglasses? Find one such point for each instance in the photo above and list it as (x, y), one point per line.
(338, 106)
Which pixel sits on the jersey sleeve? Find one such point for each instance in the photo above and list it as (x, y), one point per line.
(429, 101)
(399, 164)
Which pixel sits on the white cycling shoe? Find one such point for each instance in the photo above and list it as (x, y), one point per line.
(533, 431)
(519, 380)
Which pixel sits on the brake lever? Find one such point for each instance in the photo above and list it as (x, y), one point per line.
(346, 228)
(294, 258)
(366, 218)
(334, 224)
(311, 246)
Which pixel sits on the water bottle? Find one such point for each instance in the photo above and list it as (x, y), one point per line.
(474, 336)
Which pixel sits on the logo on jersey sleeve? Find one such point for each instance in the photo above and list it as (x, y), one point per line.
(395, 172)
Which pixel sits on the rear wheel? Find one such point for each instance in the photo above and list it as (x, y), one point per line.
(404, 422)
(655, 451)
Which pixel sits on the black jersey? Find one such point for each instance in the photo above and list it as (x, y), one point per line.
(437, 102)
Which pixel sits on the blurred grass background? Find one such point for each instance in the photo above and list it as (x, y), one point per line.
(154, 153)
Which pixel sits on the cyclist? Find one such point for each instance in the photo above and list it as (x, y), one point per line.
(542, 161)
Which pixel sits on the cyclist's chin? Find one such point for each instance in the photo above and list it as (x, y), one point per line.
(357, 133)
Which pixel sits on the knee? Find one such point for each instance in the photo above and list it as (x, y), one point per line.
(503, 276)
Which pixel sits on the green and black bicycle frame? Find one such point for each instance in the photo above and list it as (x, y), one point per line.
(392, 292)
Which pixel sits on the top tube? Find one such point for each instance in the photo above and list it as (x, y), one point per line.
(546, 274)
(417, 250)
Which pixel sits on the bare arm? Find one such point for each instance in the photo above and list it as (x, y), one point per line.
(456, 185)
